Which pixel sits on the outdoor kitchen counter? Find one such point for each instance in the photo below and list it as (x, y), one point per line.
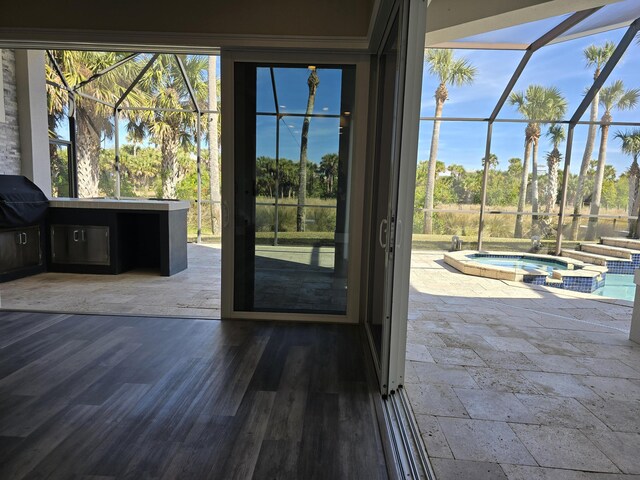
(120, 204)
(108, 235)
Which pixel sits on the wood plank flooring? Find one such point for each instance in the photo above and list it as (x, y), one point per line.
(157, 398)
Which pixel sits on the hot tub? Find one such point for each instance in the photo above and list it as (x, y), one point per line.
(530, 268)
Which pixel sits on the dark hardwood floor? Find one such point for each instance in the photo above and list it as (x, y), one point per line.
(131, 397)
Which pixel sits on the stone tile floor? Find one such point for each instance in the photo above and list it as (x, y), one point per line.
(194, 292)
(509, 381)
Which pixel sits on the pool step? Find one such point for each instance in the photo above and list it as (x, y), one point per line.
(607, 250)
(627, 243)
(592, 258)
(553, 282)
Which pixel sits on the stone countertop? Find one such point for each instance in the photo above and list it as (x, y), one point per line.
(120, 204)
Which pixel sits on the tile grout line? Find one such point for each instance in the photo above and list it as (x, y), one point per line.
(586, 322)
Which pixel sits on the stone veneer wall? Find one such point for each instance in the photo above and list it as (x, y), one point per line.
(9, 132)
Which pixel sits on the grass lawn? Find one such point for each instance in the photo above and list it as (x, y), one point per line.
(420, 242)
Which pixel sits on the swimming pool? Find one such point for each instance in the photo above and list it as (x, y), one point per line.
(618, 286)
(528, 264)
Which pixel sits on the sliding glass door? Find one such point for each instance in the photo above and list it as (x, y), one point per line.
(395, 92)
(291, 201)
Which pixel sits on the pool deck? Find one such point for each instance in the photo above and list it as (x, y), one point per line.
(514, 381)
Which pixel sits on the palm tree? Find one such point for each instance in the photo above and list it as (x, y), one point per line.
(313, 81)
(615, 96)
(595, 56)
(556, 134)
(493, 161)
(535, 104)
(631, 146)
(172, 127)
(328, 169)
(449, 71)
(93, 118)
(214, 164)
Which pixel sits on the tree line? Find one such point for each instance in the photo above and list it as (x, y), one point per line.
(457, 186)
(321, 178)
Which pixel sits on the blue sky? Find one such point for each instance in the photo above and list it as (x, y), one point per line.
(561, 65)
(293, 92)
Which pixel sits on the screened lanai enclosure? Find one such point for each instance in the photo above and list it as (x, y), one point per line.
(530, 135)
(137, 125)
(142, 125)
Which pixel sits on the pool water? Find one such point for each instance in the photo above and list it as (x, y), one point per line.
(618, 286)
(525, 264)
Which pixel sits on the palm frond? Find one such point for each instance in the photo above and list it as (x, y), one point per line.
(448, 69)
(556, 134)
(539, 103)
(597, 56)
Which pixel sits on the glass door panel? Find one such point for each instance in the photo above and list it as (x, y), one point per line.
(383, 173)
(293, 154)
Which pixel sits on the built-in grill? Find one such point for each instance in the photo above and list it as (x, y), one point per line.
(23, 209)
(22, 203)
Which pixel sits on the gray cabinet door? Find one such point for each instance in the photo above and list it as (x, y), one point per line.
(20, 248)
(9, 250)
(80, 244)
(60, 243)
(30, 253)
(96, 242)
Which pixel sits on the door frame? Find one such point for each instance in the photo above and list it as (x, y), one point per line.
(412, 96)
(412, 28)
(359, 148)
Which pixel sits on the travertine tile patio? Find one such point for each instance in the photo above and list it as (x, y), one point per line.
(194, 292)
(519, 382)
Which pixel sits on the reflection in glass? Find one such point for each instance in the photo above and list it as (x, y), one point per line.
(291, 220)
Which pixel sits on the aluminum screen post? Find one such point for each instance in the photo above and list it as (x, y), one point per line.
(199, 176)
(277, 187)
(565, 186)
(485, 178)
(116, 137)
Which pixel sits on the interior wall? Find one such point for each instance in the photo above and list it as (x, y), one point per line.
(9, 130)
(240, 17)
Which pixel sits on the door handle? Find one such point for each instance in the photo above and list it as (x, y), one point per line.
(383, 228)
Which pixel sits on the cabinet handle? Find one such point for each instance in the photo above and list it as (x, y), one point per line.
(76, 235)
(84, 239)
(19, 238)
(24, 242)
